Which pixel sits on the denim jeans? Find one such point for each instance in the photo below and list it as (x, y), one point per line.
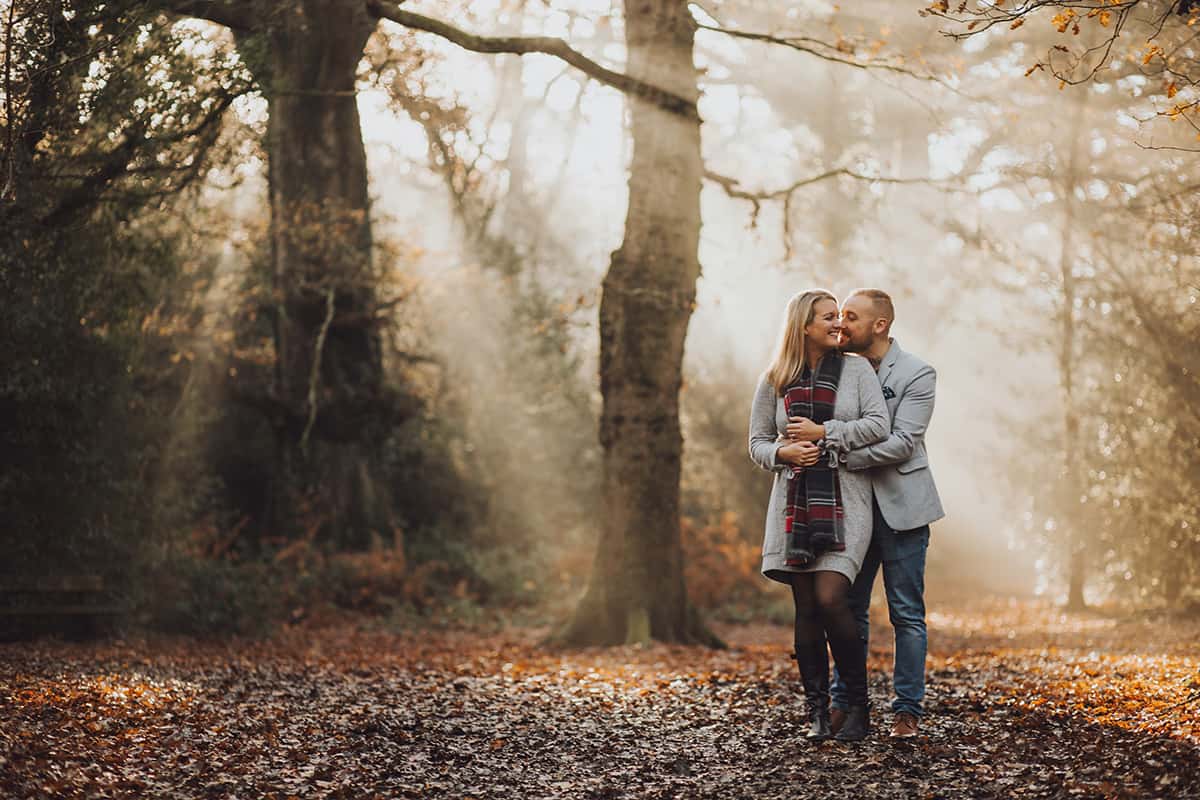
(902, 556)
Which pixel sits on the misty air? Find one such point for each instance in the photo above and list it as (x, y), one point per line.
(578, 398)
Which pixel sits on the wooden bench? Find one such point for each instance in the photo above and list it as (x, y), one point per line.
(77, 606)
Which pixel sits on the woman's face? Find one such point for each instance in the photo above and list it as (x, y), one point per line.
(826, 328)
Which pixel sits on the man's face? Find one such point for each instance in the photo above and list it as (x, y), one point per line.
(858, 323)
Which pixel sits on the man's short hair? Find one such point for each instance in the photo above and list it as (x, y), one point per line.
(882, 302)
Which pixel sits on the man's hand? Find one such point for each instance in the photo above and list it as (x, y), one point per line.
(802, 454)
(803, 429)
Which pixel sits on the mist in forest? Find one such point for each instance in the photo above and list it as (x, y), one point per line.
(971, 189)
(771, 117)
(411, 368)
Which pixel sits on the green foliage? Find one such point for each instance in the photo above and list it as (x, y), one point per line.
(198, 596)
(63, 388)
(111, 117)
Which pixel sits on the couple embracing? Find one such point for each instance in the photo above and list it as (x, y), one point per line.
(840, 417)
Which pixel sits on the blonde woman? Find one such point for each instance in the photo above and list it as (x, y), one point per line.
(812, 405)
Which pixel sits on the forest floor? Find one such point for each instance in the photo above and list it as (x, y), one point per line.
(1024, 701)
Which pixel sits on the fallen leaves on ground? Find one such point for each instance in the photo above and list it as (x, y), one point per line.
(1023, 702)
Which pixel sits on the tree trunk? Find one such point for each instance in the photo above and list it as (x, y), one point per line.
(636, 592)
(329, 368)
(1074, 523)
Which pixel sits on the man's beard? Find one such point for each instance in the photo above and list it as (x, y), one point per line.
(852, 346)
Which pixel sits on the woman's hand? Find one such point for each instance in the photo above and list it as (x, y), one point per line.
(802, 454)
(803, 429)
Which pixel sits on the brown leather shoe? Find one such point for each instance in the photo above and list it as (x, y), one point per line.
(837, 718)
(905, 725)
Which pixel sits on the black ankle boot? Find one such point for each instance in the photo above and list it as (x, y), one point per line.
(857, 724)
(852, 670)
(814, 676)
(818, 728)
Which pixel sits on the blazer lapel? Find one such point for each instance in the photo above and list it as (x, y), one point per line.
(889, 362)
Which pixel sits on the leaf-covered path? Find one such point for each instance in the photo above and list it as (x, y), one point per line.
(1024, 702)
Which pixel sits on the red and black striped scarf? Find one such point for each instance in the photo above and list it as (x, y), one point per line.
(814, 513)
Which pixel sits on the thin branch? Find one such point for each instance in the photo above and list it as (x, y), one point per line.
(10, 122)
(117, 161)
(547, 45)
(315, 375)
(730, 184)
(825, 51)
(731, 187)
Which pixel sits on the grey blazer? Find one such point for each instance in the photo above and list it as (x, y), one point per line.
(899, 466)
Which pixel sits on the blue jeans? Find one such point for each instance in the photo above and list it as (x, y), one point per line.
(902, 555)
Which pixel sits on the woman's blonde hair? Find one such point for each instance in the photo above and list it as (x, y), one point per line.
(788, 362)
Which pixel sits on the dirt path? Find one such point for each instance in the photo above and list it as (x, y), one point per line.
(1024, 702)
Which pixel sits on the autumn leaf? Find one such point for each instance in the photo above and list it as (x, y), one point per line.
(1024, 700)
(1172, 89)
(1062, 20)
(1018, 22)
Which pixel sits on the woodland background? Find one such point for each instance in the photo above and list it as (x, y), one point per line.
(1037, 235)
(379, 374)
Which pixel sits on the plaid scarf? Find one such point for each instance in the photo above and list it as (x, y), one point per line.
(814, 515)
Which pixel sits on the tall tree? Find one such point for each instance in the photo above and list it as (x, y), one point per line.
(306, 60)
(637, 588)
(1073, 484)
(329, 400)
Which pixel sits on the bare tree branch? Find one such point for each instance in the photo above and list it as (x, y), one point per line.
(547, 45)
(315, 374)
(731, 187)
(841, 53)
(731, 184)
(1112, 15)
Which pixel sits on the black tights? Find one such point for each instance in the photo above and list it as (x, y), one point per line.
(823, 614)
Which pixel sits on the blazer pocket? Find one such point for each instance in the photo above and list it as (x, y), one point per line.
(912, 465)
